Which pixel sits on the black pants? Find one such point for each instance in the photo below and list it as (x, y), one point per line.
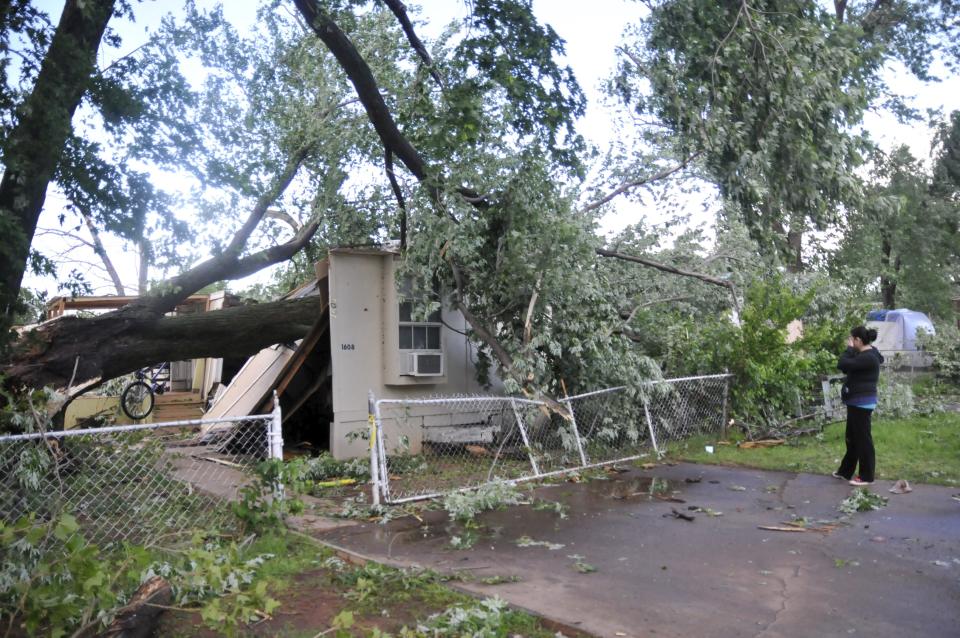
(859, 445)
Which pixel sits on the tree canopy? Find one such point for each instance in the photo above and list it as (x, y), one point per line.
(333, 122)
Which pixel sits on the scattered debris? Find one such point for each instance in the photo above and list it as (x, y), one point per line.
(901, 487)
(558, 508)
(693, 480)
(499, 580)
(737, 488)
(878, 539)
(862, 500)
(680, 515)
(221, 462)
(761, 443)
(335, 482)
(477, 450)
(704, 510)
(661, 497)
(714, 482)
(648, 466)
(526, 541)
(580, 565)
(774, 528)
(466, 540)
(941, 563)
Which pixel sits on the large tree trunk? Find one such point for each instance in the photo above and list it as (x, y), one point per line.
(888, 278)
(33, 149)
(89, 350)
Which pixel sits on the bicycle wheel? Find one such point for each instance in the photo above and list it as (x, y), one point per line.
(137, 400)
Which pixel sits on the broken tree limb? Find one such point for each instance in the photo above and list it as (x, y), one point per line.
(680, 515)
(137, 619)
(399, 11)
(113, 344)
(637, 183)
(230, 264)
(603, 252)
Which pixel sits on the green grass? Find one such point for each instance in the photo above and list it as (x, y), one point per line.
(923, 449)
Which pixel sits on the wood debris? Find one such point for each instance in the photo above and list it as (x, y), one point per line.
(761, 443)
(662, 497)
(794, 526)
(680, 515)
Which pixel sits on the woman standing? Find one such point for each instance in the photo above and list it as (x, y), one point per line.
(861, 362)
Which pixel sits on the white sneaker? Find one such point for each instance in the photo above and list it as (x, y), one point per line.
(858, 481)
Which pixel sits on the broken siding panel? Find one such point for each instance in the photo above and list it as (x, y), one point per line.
(252, 383)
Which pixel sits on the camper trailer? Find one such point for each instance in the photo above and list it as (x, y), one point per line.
(366, 339)
(897, 332)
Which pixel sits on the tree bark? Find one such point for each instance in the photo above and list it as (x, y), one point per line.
(114, 344)
(888, 279)
(101, 252)
(32, 150)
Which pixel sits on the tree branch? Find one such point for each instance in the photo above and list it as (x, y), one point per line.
(228, 264)
(636, 183)
(102, 253)
(373, 103)
(400, 12)
(365, 85)
(274, 191)
(676, 271)
(388, 162)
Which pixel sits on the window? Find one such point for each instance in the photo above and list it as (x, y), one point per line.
(419, 335)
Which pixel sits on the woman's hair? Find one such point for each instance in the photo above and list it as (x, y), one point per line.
(864, 334)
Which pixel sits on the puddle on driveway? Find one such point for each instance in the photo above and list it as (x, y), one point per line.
(644, 486)
(582, 499)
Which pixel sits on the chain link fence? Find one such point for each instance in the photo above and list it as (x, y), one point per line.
(135, 483)
(676, 409)
(424, 448)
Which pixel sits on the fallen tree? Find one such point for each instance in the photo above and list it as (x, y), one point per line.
(78, 353)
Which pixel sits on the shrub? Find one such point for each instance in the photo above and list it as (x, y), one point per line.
(944, 347)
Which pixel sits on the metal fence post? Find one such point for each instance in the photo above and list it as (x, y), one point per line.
(374, 464)
(275, 443)
(275, 434)
(526, 441)
(653, 437)
(724, 414)
(576, 431)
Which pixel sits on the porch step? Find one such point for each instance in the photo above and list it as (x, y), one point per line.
(177, 406)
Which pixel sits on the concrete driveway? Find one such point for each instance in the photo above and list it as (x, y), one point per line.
(891, 572)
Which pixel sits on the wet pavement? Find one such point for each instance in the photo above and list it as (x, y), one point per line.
(890, 572)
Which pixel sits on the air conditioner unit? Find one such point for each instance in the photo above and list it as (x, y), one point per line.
(424, 364)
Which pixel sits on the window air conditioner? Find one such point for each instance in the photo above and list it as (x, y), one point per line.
(424, 364)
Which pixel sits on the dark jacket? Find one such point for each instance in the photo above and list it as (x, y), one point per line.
(863, 371)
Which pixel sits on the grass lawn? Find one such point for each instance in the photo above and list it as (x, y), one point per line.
(923, 449)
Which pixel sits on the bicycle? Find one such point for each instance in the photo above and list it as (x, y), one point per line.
(137, 398)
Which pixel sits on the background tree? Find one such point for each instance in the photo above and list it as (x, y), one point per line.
(763, 99)
(902, 239)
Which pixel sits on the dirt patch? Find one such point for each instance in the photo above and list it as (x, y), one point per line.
(312, 600)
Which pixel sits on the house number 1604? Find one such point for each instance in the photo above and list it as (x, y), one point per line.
(347, 346)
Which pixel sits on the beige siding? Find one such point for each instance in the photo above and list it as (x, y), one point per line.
(365, 352)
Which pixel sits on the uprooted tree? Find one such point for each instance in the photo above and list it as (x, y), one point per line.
(490, 197)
